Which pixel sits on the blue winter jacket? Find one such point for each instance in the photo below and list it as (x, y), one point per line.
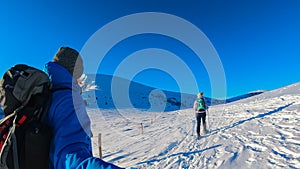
(71, 144)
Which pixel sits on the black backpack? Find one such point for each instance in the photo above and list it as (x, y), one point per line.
(24, 135)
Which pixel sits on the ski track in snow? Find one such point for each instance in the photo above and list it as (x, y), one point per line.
(258, 132)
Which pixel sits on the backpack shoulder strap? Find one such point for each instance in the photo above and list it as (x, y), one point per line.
(204, 103)
(46, 108)
(49, 101)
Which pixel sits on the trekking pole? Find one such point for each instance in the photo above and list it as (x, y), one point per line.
(207, 114)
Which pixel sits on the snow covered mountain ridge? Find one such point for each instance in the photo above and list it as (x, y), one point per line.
(142, 97)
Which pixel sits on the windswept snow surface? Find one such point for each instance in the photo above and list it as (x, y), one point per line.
(258, 132)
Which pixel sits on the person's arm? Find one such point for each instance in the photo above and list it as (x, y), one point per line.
(96, 163)
(72, 137)
(195, 106)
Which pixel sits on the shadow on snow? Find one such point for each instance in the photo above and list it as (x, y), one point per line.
(251, 118)
(179, 154)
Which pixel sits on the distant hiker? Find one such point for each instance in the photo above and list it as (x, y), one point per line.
(200, 108)
(71, 145)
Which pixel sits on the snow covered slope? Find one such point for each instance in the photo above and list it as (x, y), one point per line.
(142, 97)
(257, 132)
(244, 96)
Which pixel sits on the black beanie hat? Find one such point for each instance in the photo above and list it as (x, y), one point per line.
(70, 59)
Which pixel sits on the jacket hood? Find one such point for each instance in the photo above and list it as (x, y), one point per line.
(60, 77)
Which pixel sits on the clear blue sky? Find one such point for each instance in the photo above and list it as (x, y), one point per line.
(258, 41)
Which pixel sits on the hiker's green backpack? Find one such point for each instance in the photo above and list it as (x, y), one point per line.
(201, 105)
(24, 136)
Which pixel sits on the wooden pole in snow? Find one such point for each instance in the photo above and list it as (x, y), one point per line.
(99, 146)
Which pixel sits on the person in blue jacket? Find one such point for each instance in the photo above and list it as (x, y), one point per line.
(71, 143)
